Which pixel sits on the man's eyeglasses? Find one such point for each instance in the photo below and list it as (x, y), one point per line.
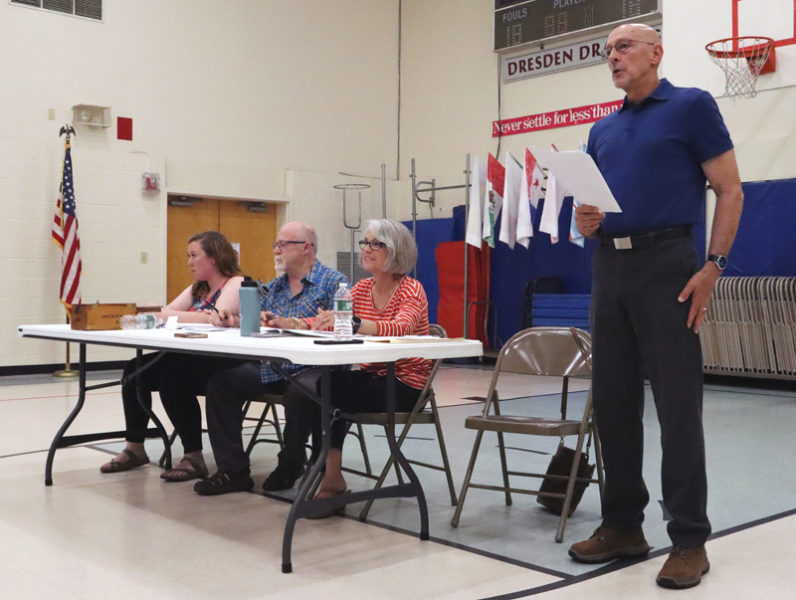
(372, 244)
(622, 46)
(282, 244)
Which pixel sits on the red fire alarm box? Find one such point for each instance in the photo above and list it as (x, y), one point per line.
(150, 182)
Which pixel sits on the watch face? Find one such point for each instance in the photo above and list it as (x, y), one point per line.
(721, 261)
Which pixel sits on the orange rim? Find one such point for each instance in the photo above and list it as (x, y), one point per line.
(764, 46)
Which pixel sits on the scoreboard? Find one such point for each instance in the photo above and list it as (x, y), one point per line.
(520, 22)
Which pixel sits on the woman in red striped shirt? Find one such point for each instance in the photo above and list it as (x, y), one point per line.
(389, 303)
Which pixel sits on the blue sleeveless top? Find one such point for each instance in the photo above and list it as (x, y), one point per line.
(207, 303)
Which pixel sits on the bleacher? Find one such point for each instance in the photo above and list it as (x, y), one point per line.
(560, 310)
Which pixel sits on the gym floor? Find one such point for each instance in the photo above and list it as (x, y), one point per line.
(131, 535)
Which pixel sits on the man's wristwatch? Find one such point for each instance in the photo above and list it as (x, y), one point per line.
(719, 260)
(356, 323)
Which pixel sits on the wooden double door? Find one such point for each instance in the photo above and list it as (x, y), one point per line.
(250, 226)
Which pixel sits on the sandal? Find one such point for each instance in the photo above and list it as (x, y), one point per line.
(196, 471)
(117, 466)
(331, 512)
(225, 482)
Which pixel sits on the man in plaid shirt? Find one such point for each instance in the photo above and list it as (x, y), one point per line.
(305, 287)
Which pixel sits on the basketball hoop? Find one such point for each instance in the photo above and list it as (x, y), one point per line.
(742, 59)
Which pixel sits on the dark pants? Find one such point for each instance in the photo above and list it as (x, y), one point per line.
(179, 378)
(227, 391)
(351, 392)
(639, 328)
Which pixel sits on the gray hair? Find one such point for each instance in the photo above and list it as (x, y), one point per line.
(401, 247)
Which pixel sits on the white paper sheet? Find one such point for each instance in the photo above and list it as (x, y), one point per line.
(578, 176)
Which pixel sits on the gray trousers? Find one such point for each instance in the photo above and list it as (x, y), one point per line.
(227, 391)
(639, 329)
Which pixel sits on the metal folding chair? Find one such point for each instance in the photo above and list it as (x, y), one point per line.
(551, 351)
(425, 411)
(269, 416)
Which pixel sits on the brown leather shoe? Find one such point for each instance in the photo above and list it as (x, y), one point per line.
(606, 544)
(684, 568)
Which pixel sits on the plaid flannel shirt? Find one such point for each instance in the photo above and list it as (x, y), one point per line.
(320, 285)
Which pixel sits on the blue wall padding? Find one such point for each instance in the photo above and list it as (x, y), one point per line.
(430, 232)
(513, 269)
(560, 310)
(766, 244)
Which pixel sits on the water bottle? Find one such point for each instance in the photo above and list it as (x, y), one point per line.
(343, 311)
(140, 321)
(249, 307)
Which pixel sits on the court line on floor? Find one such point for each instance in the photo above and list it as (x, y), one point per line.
(624, 563)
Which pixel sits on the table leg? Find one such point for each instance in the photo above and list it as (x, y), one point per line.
(81, 398)
(299, 504)
(396, 453)
(304, 506)
(61, 440)
(139, 394)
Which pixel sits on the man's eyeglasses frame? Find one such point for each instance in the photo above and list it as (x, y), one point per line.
(282, 244)
(622, 47)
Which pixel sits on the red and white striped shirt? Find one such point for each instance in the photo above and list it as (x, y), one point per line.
(406, 313)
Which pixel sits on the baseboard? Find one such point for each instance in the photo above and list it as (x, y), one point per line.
(107, 365)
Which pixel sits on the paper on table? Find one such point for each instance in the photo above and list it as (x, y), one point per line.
(277, 332)
(577, 174)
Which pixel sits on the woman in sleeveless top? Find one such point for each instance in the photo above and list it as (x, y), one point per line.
(214, 265)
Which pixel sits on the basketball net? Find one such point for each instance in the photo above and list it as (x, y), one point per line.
(742, 59)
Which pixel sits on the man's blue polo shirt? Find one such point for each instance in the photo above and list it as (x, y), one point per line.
(650, 154)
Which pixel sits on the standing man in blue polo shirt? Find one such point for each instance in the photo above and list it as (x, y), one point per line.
(649, 297)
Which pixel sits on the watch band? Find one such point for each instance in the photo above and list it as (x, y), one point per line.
(356, 323)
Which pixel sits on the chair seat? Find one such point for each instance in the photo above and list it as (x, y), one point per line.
(520, 424)
(424, 416)
(270, 398)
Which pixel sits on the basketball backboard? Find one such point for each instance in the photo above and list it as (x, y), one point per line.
(771, 18)
(695, 24)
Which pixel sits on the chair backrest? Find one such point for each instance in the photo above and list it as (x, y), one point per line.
(560, 351)
(437, 330)
(552, 351)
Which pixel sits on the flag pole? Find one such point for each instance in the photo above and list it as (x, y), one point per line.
(67, 371)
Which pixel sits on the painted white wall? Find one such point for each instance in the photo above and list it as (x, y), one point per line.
(229, 99)
(274, 100)
(450, 93)
(763, 128)
(450, 87)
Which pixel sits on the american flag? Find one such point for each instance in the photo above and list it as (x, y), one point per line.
(65, 235)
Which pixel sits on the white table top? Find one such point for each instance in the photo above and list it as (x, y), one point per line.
(295, 349)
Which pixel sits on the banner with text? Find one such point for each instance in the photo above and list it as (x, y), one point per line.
(544, 62)
(557, 118)
(552, 60)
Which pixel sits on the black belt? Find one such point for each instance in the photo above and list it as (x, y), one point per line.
(644, 240)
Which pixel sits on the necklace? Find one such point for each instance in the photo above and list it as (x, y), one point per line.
(386, 295)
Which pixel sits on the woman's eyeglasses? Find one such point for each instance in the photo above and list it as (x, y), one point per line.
(372, 244)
